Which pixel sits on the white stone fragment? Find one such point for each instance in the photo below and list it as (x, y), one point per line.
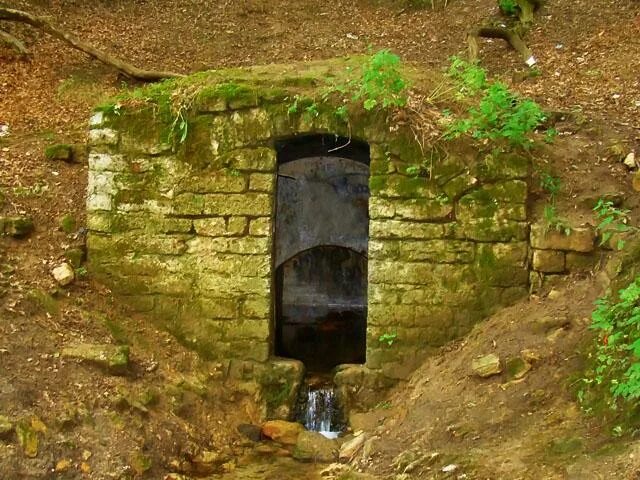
(101, 182)
(99, 201)
(96, 119)
(531, 61)
(103, 136)
(106, 161)
(63, 274)
(630, 161)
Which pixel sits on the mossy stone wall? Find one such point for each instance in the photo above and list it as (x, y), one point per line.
(184, 231)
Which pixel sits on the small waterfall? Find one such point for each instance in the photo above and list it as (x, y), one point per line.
(318, 408)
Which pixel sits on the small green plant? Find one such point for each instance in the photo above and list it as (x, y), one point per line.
(384, 405)
(508, 7)
(388, 338)
(554, 222)
(550, 135)
(613, 220)
(81, 272)
(382, 83)
(550, 184)
(293, 108)
(470, 77)
(617, 349)
(501, 115)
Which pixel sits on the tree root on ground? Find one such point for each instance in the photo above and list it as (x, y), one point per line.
(46, 26)
(513, 34)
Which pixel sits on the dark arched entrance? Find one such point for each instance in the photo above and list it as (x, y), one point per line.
(321, 243)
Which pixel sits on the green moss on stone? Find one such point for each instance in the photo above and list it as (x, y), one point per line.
(61, 151)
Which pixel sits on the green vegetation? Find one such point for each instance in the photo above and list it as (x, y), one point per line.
(388, 338)
(553, 186)
(382, 83)
(554, 222)
(614, 375)
(500, 115)
(509, 7)
(613, 220)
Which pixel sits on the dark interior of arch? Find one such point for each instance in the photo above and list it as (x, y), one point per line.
(320, 251)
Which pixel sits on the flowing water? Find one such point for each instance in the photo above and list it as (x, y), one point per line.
(318, 408)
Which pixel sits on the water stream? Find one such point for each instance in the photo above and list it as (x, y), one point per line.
(318, 409)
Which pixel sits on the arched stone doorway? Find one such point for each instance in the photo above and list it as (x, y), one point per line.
(321, 242)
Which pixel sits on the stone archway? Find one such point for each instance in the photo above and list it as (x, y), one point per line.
(320, 250)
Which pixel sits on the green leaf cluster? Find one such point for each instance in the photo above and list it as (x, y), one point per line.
(509, 7)
(500, 114)
(382, 82)
(612, 220)
(617, 350)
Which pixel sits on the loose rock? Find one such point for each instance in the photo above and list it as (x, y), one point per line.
(16, 227)
(63, 274)
(630, 161)
(60, 151)
(314, 447)
(486, 365)
(282, 431)
(252, 432)
(6, 427)
(114, 358)
(350, 448)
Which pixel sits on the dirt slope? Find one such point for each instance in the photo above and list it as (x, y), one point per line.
(503, 427)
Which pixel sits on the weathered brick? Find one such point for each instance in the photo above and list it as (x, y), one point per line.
(548, 261)
(580, 239)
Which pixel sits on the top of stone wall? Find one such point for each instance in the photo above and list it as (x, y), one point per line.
(305, 90)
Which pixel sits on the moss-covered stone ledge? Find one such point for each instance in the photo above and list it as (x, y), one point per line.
(181, 197)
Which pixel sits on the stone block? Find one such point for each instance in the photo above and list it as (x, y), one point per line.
(499, 167)
(400, 186)
(256, 204)
(256, 307)
(422, 210)
(245, 265)
(262, 182)
(188, 204)
(218, 308)
(147, 144)
(381, 208)
(220, 226)
(384, 249)
(580, 262)
(244, 246)
(240, 129)
(437, 251)
(16, 227)
(489, 230)
(99, 201)
(487, 365)
(459, 185)
(212, 182)
(251, 159)
(549, 261)
(581, 239)
(101, 182)
(396, 229)
(252, 349)
(103, 137)
(236, 286)
(391, 315)
(260, 227)
(99, 162)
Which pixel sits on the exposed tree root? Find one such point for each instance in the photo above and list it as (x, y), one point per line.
(513, 34)
(13, 42)
(509, 35)
(43, 24)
